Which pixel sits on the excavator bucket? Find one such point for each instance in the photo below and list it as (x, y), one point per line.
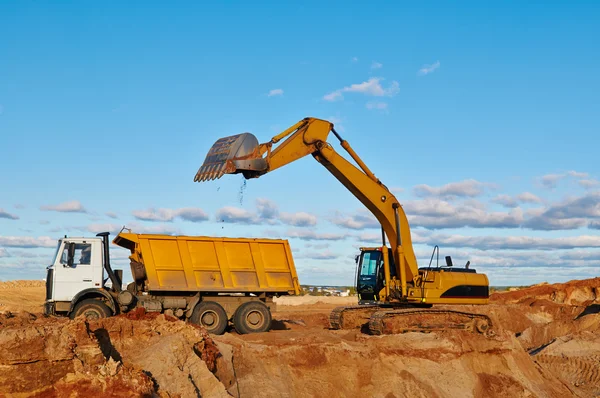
(232, 155)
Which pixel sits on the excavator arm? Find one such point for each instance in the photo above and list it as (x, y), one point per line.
(242, 154)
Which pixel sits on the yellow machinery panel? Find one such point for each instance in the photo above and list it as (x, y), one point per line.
(203, 263)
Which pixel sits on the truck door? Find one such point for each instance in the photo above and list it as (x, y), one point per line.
(70, 280)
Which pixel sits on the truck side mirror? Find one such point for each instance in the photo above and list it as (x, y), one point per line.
(448, 261)
(71, 254)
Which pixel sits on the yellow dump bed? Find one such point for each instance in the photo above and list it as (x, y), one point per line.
(202, 263)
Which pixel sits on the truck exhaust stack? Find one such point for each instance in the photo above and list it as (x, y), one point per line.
(232, 155)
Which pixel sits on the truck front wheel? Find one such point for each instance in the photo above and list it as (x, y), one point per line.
(252, 317)
(92, 309)
(211, 316)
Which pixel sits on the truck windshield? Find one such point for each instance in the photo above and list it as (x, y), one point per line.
(56, 252)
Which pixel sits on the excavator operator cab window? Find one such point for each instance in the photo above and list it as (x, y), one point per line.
(369, 266)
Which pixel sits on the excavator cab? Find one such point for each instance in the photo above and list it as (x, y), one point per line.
(370, 275)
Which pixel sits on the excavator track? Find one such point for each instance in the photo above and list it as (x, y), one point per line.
(428, 320)
(352, 317)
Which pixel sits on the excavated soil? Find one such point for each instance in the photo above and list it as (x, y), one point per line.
(546, 343)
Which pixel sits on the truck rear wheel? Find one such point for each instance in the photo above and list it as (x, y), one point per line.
(252, 317)
(92, 309)
(211, 316)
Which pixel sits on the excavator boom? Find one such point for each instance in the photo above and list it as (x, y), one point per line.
(242, 154)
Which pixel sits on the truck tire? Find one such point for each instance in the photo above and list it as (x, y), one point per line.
(92, 309)
(252, 317)
(211, 316)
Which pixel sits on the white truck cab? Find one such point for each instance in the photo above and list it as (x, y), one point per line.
(77, 276)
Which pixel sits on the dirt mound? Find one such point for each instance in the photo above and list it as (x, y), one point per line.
(546, 344)
(310, 363)
(44, 356)
(21, 284)
(579, 292)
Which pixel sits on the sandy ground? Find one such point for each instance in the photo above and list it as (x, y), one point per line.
(546, 344)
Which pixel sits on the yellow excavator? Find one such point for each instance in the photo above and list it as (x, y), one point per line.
(395, 295)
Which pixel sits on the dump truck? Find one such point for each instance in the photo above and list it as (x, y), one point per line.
(205, 280)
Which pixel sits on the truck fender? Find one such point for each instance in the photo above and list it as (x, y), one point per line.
(91, 293)
(193, 302)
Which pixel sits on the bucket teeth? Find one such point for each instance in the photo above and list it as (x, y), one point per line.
(222, 156)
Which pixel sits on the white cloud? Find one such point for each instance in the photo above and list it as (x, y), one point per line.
(4, 253)
(154, 214)
(570, 214)
(167, 215)
(371, 87)
(509, 201)
(111, 214)
(267, 212)
(427, 69)
(528, 197)
(192, 214)
(589, 183)
(135, 227)
(27, 241)
(515, 242)
(362, 219)
(551, 180)
(466, 188)
(376, 65)
(154, 229)
(305, 234)
(318, 255)
(73, 206)
(97, 228)
(470, 217)
(377, 105)
(300, 219)
(4, 214)
(396, 189)
(19, 206)
(435, 213)
(232, 214)
(275, 92)
(506, 200)
(317, 246)
(577, 174)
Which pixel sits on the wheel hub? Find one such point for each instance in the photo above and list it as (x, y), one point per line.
(209, 318)
(255, 318)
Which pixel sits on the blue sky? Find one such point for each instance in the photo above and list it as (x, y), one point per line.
(483, 118)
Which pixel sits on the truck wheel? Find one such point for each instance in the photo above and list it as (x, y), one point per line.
(211, 316)
(92, 309)
(252, 317)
